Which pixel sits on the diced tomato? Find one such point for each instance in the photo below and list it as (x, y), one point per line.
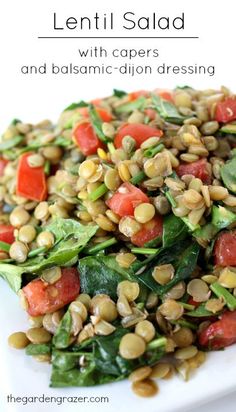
(3, 163)
(126, 199)
(225, 249)
(137, 94)
(150, 113)
(105, 115)
(31, 181)
(150, 230)
(221, 333)
(7, 234)
(198, 169)
(226, 110)
(140, 132)
(165, 94)
(193, 302)
(45, 298)
(86, 138)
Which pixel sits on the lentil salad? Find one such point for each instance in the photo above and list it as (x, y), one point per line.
(117, 233)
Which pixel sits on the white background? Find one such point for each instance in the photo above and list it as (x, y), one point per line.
(34, 97)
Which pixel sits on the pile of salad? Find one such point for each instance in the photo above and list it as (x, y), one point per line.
(118, 233)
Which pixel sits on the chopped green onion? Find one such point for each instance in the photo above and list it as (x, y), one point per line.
(4, 246)
(138, 178)
(186, 305)
(100, 246)
(131, 106)
(144, 250)
(140, 305)
(152, 151)
(47, 167)
(170, 198)
(111, 147)
(221, 292)
(156, 343)
(37, 251)
(184, 323)
(97, 124)
(190, 225)
(97, 193)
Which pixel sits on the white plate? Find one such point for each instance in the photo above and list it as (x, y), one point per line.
(21, 376)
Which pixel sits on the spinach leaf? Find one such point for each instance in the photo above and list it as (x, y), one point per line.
(74, 106)
(61, 339)
(184, 259)
(174, 230)
(38, 349)
(8, 144)
(70, 237)
(103, 363)
(119, 93)
(131, 106)
(228, 174)
(167, 110)
(101, 274)
(222, 217)
(206, 232)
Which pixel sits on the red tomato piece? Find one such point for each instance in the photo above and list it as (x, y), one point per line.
(165, 94)
(86, 139)
(225, 249)
(191, 301)
(31, 181)
(137, 94)
(105, 115)
(149, 231)
(45, 298)
(150, 113)
(198, 169)
(3, 163)
(140, 132)
(7, 234)
(126, 199)
(221, 333)
(226, 110)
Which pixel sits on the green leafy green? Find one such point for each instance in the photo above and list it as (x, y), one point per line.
(228, 174)
(183, 257)
(222, 217)
(74, 106)
(206, 232)
(167, 110)
(200, 312)
(129, 107)
(10, 143)
(174, 230)
(70, 238)
(222, 292)
(38, 349)
(229, 128)
(101, 274)
(61, 339)
(103, 363)
(119, 93)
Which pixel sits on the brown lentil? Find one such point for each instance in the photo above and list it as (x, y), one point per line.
(140, 374)
(131, 346)
(145, 388)
(18, 340)
(38, 335)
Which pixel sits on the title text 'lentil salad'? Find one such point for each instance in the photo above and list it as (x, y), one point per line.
(118, 233)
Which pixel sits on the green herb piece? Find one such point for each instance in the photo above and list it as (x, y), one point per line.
(34, 349)
(97, 124)
(167, 110)
(61, 339)
(74, 106)
(144, 250)
(169, 197)
(186, 305)
(221, 292)
(119, 93)
(4, 246)
(156, 343)
(129, 107)
(15, 121)
(99, 192)
(206, 232)
(10, 143)
(184, 323)
(229, 128)
(47, 167)
(190, 225)
(200, 312)
(37, 251)
(152, 151)
(222, 217)
(228, 174)
(111, 147)
(135, 180)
